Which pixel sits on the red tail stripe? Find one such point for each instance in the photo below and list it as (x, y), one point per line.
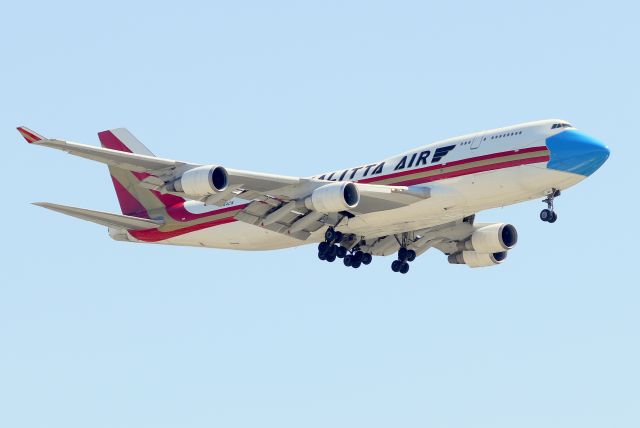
(110, 141)
(128, 203)
(140, 175)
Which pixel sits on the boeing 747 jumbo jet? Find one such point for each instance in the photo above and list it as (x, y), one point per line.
(423, 198)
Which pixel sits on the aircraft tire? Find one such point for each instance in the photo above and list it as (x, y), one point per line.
(545, 215)
(342, 251)
(366, 258)
(404, 268)
(330, 234)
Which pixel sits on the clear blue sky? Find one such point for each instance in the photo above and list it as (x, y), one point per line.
(107, 334)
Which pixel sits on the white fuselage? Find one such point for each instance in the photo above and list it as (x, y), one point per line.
(484, 170)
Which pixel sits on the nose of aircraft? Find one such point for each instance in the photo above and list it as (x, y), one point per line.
(573, 151)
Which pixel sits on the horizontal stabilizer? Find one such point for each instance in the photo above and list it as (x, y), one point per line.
(103, 218)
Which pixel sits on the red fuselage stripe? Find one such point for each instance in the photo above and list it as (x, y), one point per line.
(454, 163)
(154, 235)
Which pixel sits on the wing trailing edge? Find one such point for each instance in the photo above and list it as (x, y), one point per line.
(102, 218)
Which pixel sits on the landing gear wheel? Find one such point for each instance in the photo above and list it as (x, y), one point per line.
(332, 252)
(322, 255)
(546, 215)
(366, 258)
(358, 256)
(331, 258)
(395, 266)
(342, 251)
(356, 264)
(404, 268)
(403, 254)
(347, 260)
(411, 255)
(322, 247)
(330, 234)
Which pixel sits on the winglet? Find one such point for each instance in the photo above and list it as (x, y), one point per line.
(29, 135)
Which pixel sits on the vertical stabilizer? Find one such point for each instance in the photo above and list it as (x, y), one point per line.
(135, 200)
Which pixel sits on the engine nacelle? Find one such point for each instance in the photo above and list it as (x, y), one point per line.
(474, 259)
(202, 181)
(333, 198)
(493, 238)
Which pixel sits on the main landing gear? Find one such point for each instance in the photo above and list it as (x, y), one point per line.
(356, 259)
(404, 257)
(548, 214)
(330, 249)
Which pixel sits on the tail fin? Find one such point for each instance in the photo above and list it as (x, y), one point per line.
(135, 200)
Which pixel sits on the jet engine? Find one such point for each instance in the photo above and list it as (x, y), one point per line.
(333, 198)
(474, 259)
(202, 181)
(493, 238)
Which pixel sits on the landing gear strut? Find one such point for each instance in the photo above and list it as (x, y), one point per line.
(548, 214)
(405, 256)
(332, 235)
(328, 249)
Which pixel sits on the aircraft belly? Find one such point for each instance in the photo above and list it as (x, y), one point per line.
(469, 195)
(505, 187)
(235, 236)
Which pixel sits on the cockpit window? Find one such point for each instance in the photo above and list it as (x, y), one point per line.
(561, 125)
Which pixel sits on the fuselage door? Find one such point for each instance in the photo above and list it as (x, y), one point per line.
(476, 142)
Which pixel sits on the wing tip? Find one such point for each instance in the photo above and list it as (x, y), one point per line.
(29, 135)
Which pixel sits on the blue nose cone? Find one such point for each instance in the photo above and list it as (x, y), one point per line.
(573, 151)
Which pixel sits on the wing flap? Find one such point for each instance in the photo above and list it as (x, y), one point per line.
(101, 217)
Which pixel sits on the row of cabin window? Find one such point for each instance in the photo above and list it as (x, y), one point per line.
(464, 143)
(508, 134)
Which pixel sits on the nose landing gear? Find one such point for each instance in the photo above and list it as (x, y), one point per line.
(548, 214)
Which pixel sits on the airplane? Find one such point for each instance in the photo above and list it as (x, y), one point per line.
(423, 198)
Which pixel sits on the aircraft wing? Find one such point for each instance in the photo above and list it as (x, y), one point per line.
(165, 169)
(277, 200)
(129, 161)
